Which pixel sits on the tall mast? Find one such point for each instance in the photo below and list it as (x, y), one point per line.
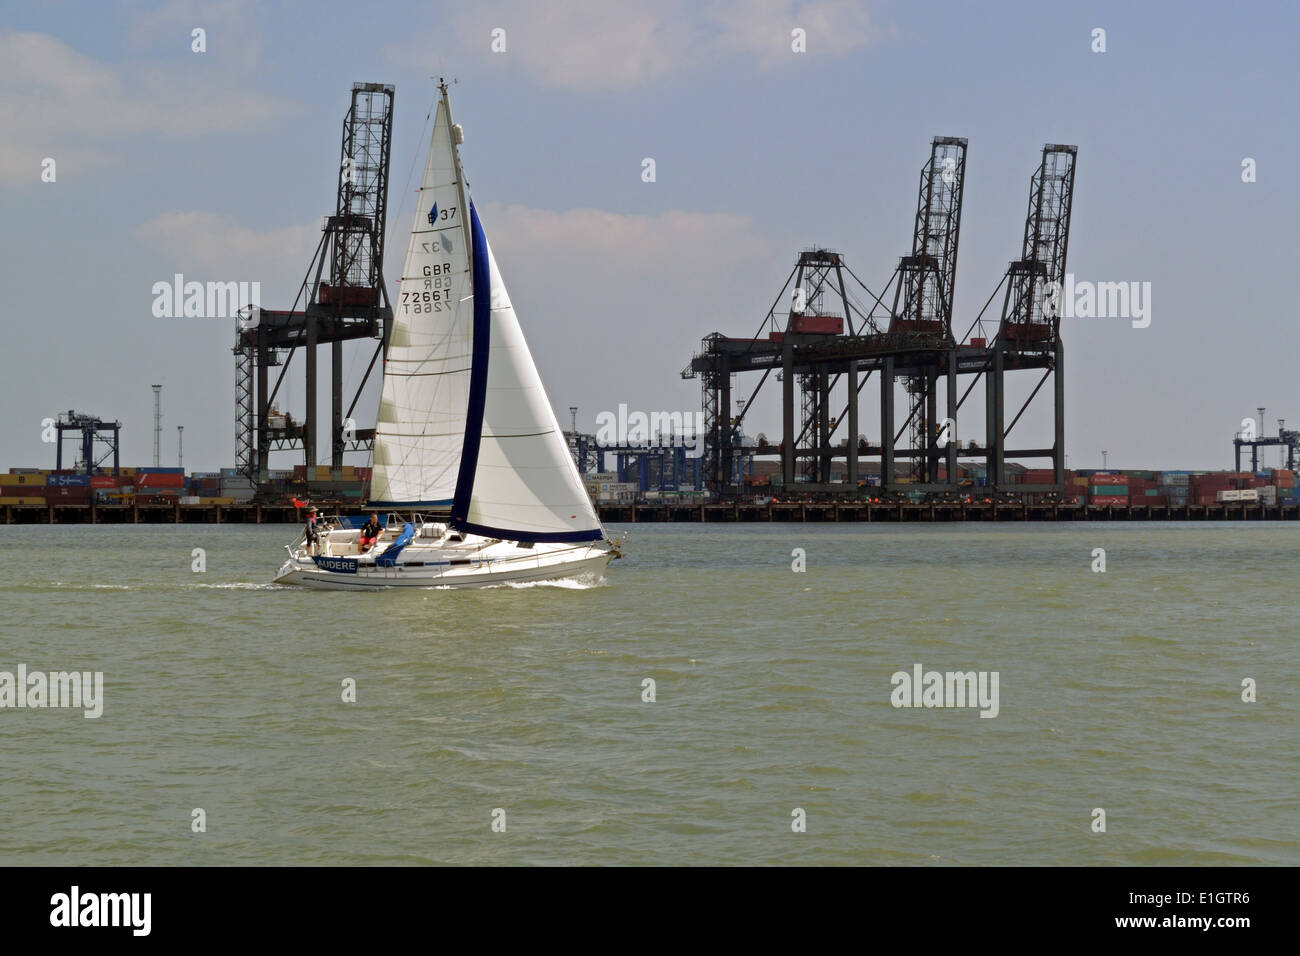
(460, 172)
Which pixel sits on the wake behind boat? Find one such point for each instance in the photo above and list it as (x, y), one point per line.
(469, 463)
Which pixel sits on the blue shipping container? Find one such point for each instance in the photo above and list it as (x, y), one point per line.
(68, 480)
(160, 471)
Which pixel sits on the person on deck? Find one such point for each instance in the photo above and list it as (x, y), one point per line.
(370, 532)
(311, 536)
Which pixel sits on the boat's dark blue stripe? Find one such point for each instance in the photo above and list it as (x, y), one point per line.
(512, 535)
(477, 374)
(409, 504)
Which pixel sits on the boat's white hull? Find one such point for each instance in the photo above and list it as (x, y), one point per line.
(478, 563)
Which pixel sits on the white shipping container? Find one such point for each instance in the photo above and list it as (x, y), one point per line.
(1244, 494)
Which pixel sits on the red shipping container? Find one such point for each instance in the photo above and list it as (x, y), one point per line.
(1108, 500)
(817, 324)
(103, 481)
(74, 495)
(1107, 478)
(155, 479)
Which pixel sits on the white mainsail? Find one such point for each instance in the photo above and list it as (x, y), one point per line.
(420, 429)
(525, 485)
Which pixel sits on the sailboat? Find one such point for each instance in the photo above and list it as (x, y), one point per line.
(470, 465)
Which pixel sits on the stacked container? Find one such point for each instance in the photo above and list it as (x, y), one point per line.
(1175, 486)
(1108, 488)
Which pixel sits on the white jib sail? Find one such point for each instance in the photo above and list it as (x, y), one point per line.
(526, 481)
(420, 429)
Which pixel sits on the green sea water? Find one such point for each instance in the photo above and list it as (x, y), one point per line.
(1119, 690)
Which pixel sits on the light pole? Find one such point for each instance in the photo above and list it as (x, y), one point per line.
(1103, 460)
(157, 424)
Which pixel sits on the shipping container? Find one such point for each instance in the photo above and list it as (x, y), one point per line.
(817, 324)
(67, 491)
(160, 471)
(18, 500)
(1100, 500)
(1244, 495)
(160, 479)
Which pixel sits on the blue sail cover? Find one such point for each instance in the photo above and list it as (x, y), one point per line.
(389, 558)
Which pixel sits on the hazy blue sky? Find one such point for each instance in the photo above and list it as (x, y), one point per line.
(221, 165)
